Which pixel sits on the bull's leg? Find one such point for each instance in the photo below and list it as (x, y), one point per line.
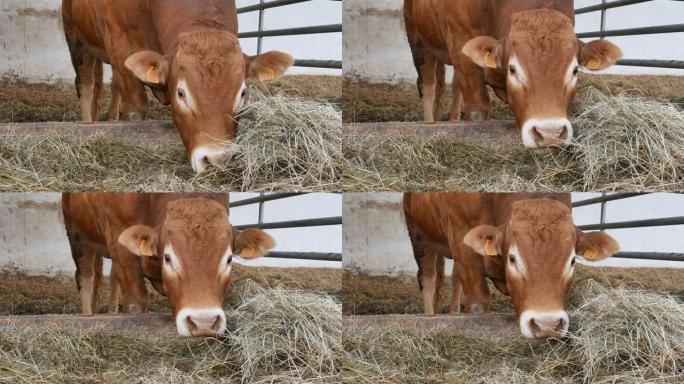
(439, 272)
(439, 90)
(134, 103)
(113, 112)
(85, 86)
(85, 279)
(97, 283)
(428, 86)
(473, 88)
(113, 305)
(456, 100)
(427, 274)
(469, 268)
(97, 89)
(456, 291)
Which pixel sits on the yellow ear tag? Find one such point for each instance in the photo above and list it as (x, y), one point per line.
(266, 75)
(145, 249)
(247, 252)
(591, 254)
(594, 64)
(490, 60)
(151, 75)
(490, 249)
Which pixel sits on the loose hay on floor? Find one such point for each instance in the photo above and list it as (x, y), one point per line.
(624, 143)
(284, 143)
(273, 337)
(617, 335)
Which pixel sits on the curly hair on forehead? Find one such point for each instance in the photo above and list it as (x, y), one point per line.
(212, 47)
(542, 29)
(538, 211)
(197, 212)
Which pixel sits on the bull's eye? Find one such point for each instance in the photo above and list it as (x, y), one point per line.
(575, 71)
(511, 69)
(230, 259)
(181, 93)
(511, 258)
(244, 93)
(572, 262)
(167, 258)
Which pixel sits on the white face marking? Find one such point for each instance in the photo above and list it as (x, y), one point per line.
(541, 319)
(174, 266)
(224, 266)
(552, 127)
(239, 98)
(202, 157)
(200, 317)
(519, 77)
(570, 75)
(184, 98)
(518, 268)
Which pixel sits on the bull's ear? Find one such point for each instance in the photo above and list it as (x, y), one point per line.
(148, 66)
(595, 245)
(251, 243)
(268, 66)
(484, 51)
(485, 240)
(598, 54)
(140, 239)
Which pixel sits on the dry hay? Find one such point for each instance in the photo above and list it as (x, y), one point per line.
(617, 335)
(275, 335)
(284, 143)
(625, 143)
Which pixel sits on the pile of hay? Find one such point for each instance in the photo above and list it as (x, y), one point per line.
(617, 335)
(624, 143)
(276, 335)
(284, 143)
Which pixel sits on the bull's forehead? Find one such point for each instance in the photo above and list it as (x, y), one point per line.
(197, 224)
(210, 55)
(542, 225)
(539, 34)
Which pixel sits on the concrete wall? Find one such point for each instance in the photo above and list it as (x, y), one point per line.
(33, 239)
(376, 50)
(33, 48)
(376, 241)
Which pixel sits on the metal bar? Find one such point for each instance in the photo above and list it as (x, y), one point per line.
(651, 256)
(672, 28)
(603, 17)
(676, 64)
(603, 208)
(596, 200)
(271, 4)
(660, 222)
(260, 198)
(306, 256)
(319, 222)
(604, 6)
(336, 64)
(261, 208)
(260, 40)
(330, 28)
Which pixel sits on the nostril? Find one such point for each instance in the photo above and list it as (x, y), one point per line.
(206, 161)
(192, 327)
(538, 137)
(216, 327)
(564, 134)
(560, 326)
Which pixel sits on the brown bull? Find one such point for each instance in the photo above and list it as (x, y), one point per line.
(186, 51)
(183, 244)
(525, 50)
(526, 244)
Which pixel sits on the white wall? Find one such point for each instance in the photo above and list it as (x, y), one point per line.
(32, 235)
(376, 49)
(376, 241)
(33, 48)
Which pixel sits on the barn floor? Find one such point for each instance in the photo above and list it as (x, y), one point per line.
(364, 102)
(378, 295)
(21, 294)
(24, 102)
(286, 328)
(610, 341)
(641, 117)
